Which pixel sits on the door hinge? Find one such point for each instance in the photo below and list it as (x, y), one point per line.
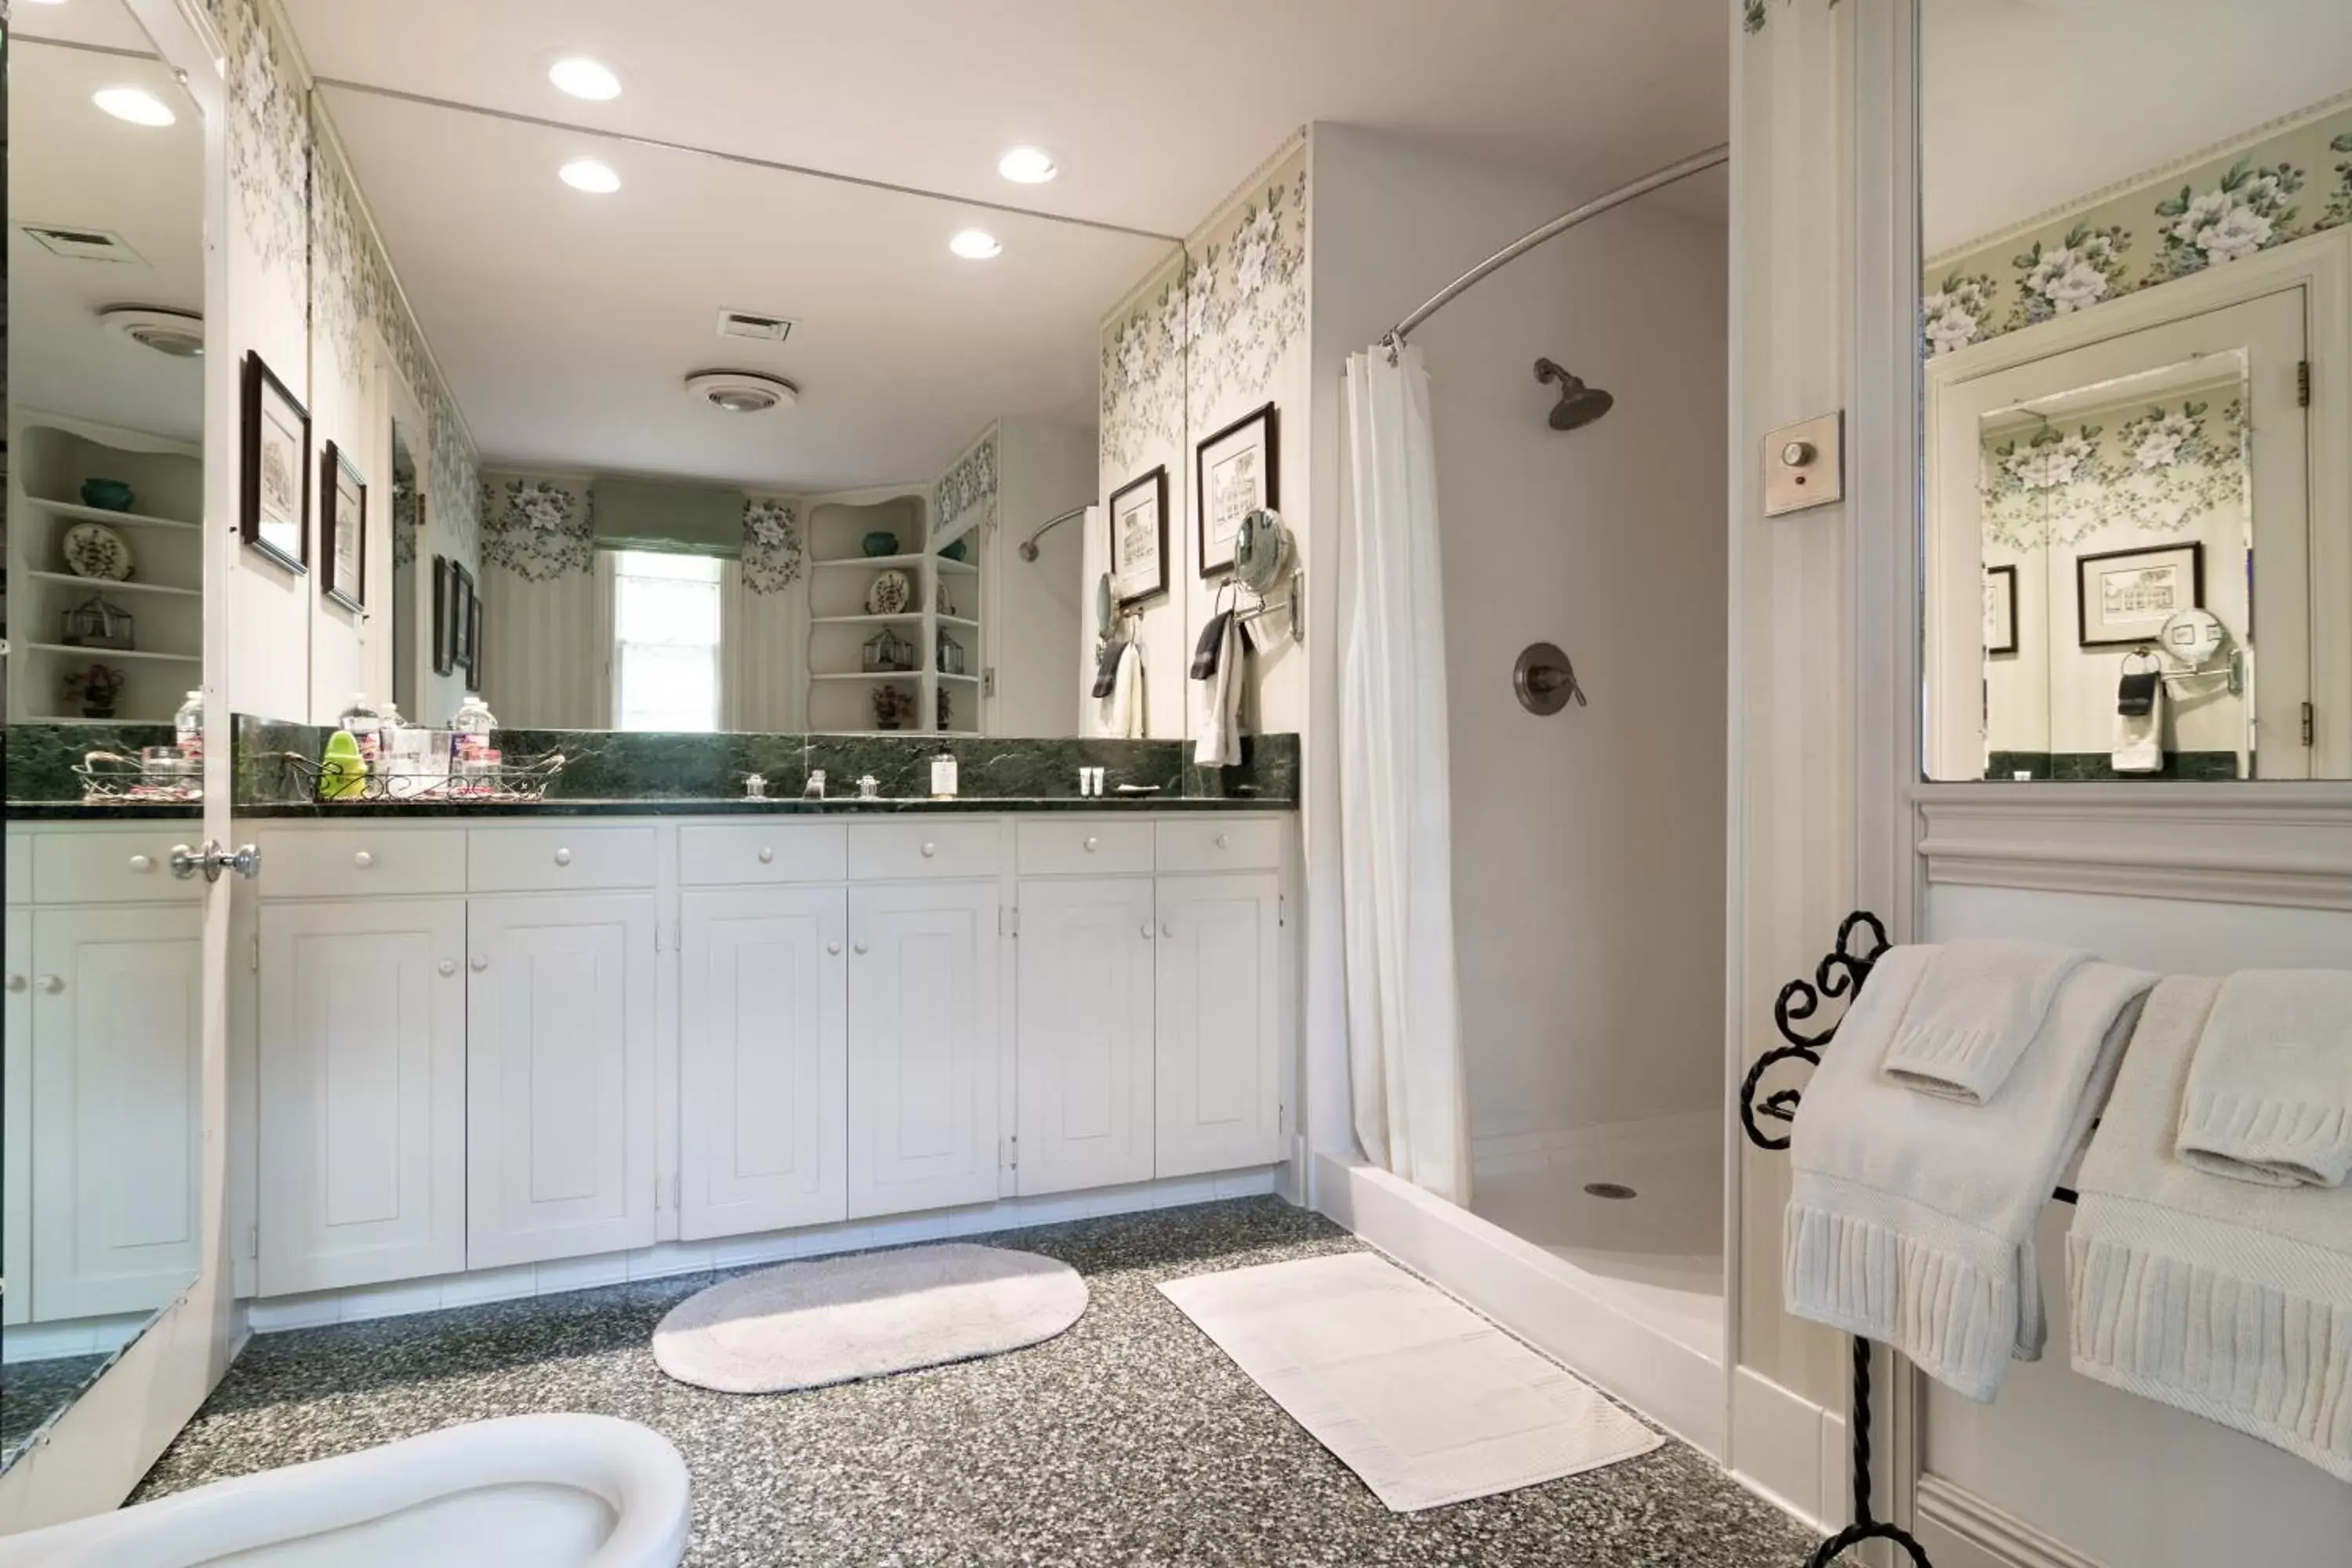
(253, 960)
(1281, 909)
(988, 681)
(1012, 1151)
(2310, 724)
(253, 1241)
(2303, 383)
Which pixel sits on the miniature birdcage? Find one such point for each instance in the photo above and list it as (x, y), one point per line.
(950, 656)
(886, 650)
(98, 622)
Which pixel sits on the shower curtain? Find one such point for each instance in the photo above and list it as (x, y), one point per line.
(1405, 1035)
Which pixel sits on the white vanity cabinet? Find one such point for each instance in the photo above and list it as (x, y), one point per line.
(1218, 1023)
(1085, 1029)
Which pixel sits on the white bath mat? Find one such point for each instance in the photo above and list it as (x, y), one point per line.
(1424, 1399)
(836, 1320)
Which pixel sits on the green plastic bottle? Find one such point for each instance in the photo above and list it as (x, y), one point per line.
(342, 771)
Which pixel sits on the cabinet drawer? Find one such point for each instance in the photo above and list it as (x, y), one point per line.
(113, 868)
(936, 848)
(352, 862)
(1210, 843)
(1062, 848)
(551, 859)
(776, 852)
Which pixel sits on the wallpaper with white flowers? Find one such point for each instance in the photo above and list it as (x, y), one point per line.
(2280, 189)
(2156, 468)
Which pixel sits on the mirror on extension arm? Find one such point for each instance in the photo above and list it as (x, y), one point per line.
(2137, 336)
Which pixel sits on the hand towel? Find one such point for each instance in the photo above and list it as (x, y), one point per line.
(1106, 658)
(2139, 743)
(2270, 1087)
(1978, 1005)
(1218, 737)
(1911, 1220)
(1211, 647)
(2226, 1300)
(1122, 711)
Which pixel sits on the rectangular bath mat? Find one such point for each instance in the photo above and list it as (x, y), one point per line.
(1424, 1399)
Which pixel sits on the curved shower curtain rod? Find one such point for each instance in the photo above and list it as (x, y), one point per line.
(1697, 163)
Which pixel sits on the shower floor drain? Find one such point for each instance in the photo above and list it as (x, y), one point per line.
(1609, 1190)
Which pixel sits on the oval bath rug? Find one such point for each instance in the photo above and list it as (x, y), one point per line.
(837, 1320)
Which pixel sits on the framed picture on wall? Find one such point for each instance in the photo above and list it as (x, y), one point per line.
(473, 642)
(342, 529)
(2125, 596)
(461, 619)
(444, 650)
(274, 462)
(2000, 609)
(1139, 538)
(1233, 474)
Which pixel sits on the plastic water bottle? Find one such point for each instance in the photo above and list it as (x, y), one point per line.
(188, 727)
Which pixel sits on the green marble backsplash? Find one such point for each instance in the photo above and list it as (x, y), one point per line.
(605, 764)
(40, 758)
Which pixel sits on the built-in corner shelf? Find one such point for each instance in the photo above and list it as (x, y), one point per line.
(100, 655)
(95, 585)
(80, 513)
(842, 690)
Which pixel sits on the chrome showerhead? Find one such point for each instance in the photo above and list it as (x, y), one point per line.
(1578, 404)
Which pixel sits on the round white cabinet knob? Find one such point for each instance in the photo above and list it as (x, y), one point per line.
(1147, 931)
(767, 856)
(1092, 845)
(1168, 929)
(480, 962)
(363, 859)
(51, 984)
(448, 966)
(857, 947)
(16, 983)
(143, 862)
(834, 948)
(930, 850)
(1224, 841)
(564, 857)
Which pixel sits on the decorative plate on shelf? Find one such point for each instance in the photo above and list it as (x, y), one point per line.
(94, 550)
(890, 595)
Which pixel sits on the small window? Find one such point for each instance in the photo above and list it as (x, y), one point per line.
(665, 641)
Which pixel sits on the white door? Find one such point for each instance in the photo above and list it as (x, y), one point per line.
(1083, 1034)
(762, 1060)
(923, 1064)
(363, 1086)
(16, 1104)
(118, 999)
(1219, 1083)
(559, 1105)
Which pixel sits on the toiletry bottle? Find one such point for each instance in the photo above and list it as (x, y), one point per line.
(471, 729)
(943, 777)
(342, 770)
(188, 727)
(359, 719)
(389, 723)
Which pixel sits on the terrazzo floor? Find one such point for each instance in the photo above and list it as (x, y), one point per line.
(32, 1390)
(1129, 1440)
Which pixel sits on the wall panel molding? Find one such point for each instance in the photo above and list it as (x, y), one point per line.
(1961, 1530)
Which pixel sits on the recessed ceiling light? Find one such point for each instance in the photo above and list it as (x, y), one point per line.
(974, 244)
(135, 104)
(179, 334)
(583, 78)
(588, 174)
(1027, 166)
(742, 391)
(48, 2)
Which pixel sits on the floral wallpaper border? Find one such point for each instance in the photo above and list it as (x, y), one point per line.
(537, 529)
(772, 554)
(2269, 193)
(2158, 470)
(970, 481)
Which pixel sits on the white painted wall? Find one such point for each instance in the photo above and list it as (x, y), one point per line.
(1038, 610)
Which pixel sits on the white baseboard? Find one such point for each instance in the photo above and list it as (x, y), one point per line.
(1961, 1530)
(669, 1259)
(1790, 1452)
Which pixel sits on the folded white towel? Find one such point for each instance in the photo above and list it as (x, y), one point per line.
(1978, 1007)
(1217, 740)
(2137, 746)
(2228, 1300)
(1911, 1220)
(1122, 711)
(2269, 1089)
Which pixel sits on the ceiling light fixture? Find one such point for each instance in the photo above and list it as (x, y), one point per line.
(583, 78)
(1027, 166)
(179, 334)
(742, 391)
(135, 104)
(588, 174)
(974, 244)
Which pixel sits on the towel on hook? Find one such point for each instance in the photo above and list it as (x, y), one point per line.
(1107, 659)
(1218, 737)
(1211, 647)
(2139, 743)
(1121, 713)
(1911, 1219)
(2228, 1300)
(1978, 1007)
(2269, 1089)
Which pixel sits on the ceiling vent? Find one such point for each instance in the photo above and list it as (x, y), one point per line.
(749, 324)
(82, 244)
(742, 391)
(180, 334)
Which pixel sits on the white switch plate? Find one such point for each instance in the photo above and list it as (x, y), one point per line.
(1804, 465)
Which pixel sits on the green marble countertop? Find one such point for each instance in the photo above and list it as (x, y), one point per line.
(694, 807)
(104, 811)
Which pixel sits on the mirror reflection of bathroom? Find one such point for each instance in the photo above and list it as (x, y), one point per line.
(100, 1155)
(2138, 530)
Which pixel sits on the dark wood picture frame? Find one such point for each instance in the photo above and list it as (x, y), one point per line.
(461, 619)
(337, 475)
(444, 650)
(473, 644)
(1270, 443)
(1157, 480)
(2083, 563)
(2007, 644)
(260, 387)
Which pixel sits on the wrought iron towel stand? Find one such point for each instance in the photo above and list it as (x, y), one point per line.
(1840, 974)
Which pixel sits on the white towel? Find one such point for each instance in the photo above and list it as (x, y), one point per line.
(1911, 1220)
(1122, 711)
(2270, 1089)
(2138, 742)
(1217, 739)
(2223, 1299)
(1978, 1007)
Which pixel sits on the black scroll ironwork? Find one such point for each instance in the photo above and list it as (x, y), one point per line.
(1841, 975)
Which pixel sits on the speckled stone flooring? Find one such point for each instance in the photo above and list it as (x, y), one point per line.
(1130, 1440)
(32, 1390)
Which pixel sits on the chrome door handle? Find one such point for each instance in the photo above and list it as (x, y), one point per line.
(211, 861)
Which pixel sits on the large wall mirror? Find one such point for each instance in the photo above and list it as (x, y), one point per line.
(100, 1206)
(2136, 332)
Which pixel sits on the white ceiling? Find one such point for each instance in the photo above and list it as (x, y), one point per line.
(72, 165)
(2027, 105)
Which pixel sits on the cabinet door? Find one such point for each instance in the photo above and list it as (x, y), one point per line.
(764, 1058)
(363, 1093)
(1220, 1024)
(923, 1064)
(117, 996)
(16, 1105)
(560, 1103)
(1083, 1034)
